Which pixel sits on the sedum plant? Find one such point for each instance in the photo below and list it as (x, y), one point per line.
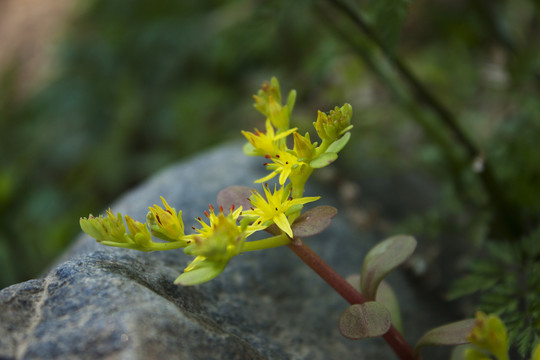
(278, 210)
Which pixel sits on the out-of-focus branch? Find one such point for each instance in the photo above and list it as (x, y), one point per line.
(504, 212)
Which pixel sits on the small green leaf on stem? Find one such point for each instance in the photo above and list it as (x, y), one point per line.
(234, 195)
(447, 335)
(314, 221)
(339, 144)
(382, 259)
(360, 321)
(323, 160)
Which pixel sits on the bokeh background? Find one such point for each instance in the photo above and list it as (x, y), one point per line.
(97, 95)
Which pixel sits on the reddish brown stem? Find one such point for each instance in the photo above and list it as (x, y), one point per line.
(343, 288)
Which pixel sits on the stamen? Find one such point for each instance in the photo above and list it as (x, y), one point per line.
(199, 218)
(206, 213)
(210, 207)
(158, 219)
(267, 156)
(232, 207)
(277, 155)
(221, 209)
(188, 242)
(251, 208)
(194, 228)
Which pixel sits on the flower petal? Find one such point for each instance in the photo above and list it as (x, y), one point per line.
(281, 221)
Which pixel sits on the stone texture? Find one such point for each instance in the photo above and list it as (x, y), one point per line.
(102, 302)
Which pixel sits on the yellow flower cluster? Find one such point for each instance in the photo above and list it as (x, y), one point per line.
(223, 236)
(489, 339)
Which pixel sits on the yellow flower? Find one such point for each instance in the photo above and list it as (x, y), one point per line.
(268, 102)
(268, 143)
(110, 228)
(536, 353)
(283, 164)
(489, 333)
(166, 223)
(112, 231)
(214, 245)
(275, 208)
(132, 234)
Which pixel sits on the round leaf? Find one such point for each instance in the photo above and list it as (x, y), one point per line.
(323, 160)
(360, 321)
(234, 195)
(386, 296)
(314, 221)
(447, 335)
(382, 259)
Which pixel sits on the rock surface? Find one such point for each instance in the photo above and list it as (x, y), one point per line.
(102, 302)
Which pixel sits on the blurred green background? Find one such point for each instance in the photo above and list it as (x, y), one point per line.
(133, 86)
(445, 97)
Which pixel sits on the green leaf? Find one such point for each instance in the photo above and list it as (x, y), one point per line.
(367, 320)
(382, 259)
(339, 144)
(447, 335)
(314, 221)
(234, 195)
(323, 160)
(203, 273)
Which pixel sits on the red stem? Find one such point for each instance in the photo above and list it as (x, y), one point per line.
(349, 293)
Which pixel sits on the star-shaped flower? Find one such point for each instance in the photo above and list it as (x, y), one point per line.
(273, 208)
(266, 143)
(214, 245)
(283, 163)
(166, 223)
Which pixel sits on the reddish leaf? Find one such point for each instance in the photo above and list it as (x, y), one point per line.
(382, 259)
(450, 334)
(234, 195)
(360, 321)
(314, 221)
(386, 296)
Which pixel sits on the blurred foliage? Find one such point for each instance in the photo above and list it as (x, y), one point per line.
(139, 85)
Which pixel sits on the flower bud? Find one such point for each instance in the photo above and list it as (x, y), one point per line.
(138, 233)
(165, 224)
(303, 147)
(332, 126)
(110, 228)
(489, 333)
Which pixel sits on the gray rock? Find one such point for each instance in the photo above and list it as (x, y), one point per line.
(102, 302)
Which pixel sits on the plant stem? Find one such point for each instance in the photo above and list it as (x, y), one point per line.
(349, 293)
